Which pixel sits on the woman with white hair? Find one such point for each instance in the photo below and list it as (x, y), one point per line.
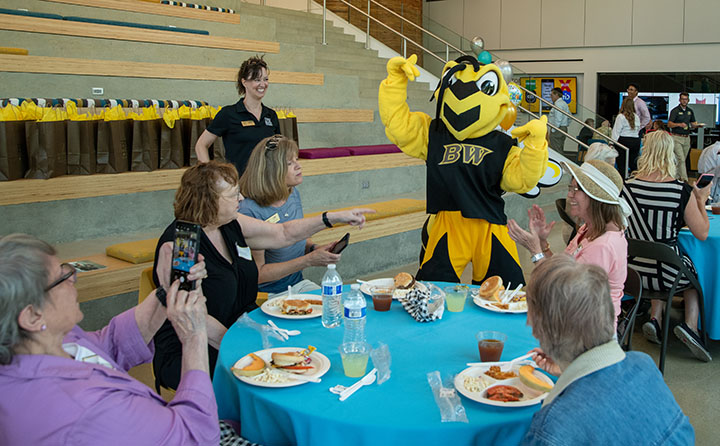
(603, 395)
(661, 206)
(603, 152)
(594, 197)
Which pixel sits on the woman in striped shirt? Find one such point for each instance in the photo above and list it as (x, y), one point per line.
(662, 205)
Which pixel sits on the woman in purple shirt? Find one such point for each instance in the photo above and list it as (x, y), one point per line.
(61, 385)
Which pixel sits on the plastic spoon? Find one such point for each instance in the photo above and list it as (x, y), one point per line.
(282, 330)
(365, 381)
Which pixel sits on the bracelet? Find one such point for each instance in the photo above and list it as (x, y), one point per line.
(546, 247)
(325, 220)
(161, 295)
(312, 248)
(537, 257)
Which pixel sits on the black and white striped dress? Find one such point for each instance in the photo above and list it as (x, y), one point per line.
(658, 211)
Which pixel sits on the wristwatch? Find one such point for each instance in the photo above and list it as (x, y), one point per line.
(537, 257)
(161, 295)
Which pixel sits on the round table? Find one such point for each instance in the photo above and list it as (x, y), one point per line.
(704, 255)
(400, 411)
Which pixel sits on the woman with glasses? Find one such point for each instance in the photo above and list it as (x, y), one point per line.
(593, 197)
(662, 205)
(243, 124)
(269, 186)
(62, 385)
(208, 196)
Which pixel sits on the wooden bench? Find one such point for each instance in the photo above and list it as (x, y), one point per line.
(92, 30)
(100, 185)
(123, 68)
(157, 9)
(120, 276)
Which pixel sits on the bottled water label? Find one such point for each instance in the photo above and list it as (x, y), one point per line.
(355, 313)
(328, 290)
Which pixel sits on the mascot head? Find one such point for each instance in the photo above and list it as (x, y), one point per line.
(472, 99)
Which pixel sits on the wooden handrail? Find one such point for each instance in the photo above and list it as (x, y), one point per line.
(157, 9)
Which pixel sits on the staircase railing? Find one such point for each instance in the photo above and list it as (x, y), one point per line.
(449, 46)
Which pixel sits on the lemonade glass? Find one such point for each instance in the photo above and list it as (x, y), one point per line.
(455, 297)
(354, 358)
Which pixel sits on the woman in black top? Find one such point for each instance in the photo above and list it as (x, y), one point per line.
(245, 123)
(208, 195)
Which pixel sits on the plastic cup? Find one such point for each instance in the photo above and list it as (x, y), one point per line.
(490, 345)
(382, 297)
(354, 357)
(455, 297)
(715, 208)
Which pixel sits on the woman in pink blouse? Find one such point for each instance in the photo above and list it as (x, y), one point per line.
(594, 197)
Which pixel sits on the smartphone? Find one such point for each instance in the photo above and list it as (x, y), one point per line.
(341, 244)
(185, 253)
(704, 180)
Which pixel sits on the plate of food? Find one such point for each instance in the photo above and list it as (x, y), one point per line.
(298, 306)
(522, 385)
(493, 296)
(401, 283)
(276, 367)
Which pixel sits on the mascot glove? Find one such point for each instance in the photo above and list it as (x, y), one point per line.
(533, 133)
(399, 67)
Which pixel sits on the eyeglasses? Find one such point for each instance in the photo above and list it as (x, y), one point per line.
(71, 272)
(233, 196)
(572, 189)
(272, 143)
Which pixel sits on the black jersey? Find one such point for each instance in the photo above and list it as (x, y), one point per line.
(465, 175)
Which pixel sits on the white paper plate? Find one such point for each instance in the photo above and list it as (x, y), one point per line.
(513, 307)
(320, 364)
(389, 283)
(530, 396)
(273, 307)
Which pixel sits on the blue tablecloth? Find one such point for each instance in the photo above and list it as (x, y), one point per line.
(400, 411)
(704, 255)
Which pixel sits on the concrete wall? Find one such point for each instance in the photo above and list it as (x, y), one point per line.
(584, 37)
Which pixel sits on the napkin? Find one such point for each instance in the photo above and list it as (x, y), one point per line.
(423, 305)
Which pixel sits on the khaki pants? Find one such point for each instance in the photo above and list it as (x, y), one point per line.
(681, 149)
(557, 139)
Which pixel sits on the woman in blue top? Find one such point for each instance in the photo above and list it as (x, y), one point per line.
(269, 186)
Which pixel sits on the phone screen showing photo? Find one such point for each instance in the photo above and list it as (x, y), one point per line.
(185, 253)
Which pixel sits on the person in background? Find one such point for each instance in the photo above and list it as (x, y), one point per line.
(641, 108)
(593, 197)
(680, 122)
(603, 394)
(605, 129)
(709, 162)
(270, 189)
(243, 124)
(659, 124)
(586, 134)
(602, 152)
(662, 205)
(625, 131)
(63, 385)
(208, 196)
(559, 120)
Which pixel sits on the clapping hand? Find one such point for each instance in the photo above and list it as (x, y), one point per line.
(545, 362)
(538, 224)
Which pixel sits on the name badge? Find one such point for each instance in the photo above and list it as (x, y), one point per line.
(274, 218)
(248, 123)
(243, 252)
(268, 122)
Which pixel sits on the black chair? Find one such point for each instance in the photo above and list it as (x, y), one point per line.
(662, 253)
(560, 206)
(632, 288)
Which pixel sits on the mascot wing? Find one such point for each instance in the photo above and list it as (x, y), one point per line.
(408, 130)
(524, 167)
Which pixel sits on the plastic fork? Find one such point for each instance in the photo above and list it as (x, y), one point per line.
(364, 381)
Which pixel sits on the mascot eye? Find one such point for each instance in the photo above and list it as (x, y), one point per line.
(489, 83)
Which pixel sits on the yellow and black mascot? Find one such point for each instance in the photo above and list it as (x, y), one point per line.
(469, 165)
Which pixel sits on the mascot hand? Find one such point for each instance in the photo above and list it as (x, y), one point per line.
(533, 133)
(404, 68)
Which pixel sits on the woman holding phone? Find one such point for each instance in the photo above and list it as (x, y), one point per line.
(270, 189)
(662, 205)
(208, 196)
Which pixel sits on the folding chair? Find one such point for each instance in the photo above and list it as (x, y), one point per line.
(662, 253)
(632, 289)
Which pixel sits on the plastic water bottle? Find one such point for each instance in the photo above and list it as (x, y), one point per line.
(332, 298)
(355, 315)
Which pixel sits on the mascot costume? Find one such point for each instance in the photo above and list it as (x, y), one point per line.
(469, 165)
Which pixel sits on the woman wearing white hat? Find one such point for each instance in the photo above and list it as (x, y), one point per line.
(594, 197)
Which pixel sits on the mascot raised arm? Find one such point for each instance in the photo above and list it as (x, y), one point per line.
(469, 165)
